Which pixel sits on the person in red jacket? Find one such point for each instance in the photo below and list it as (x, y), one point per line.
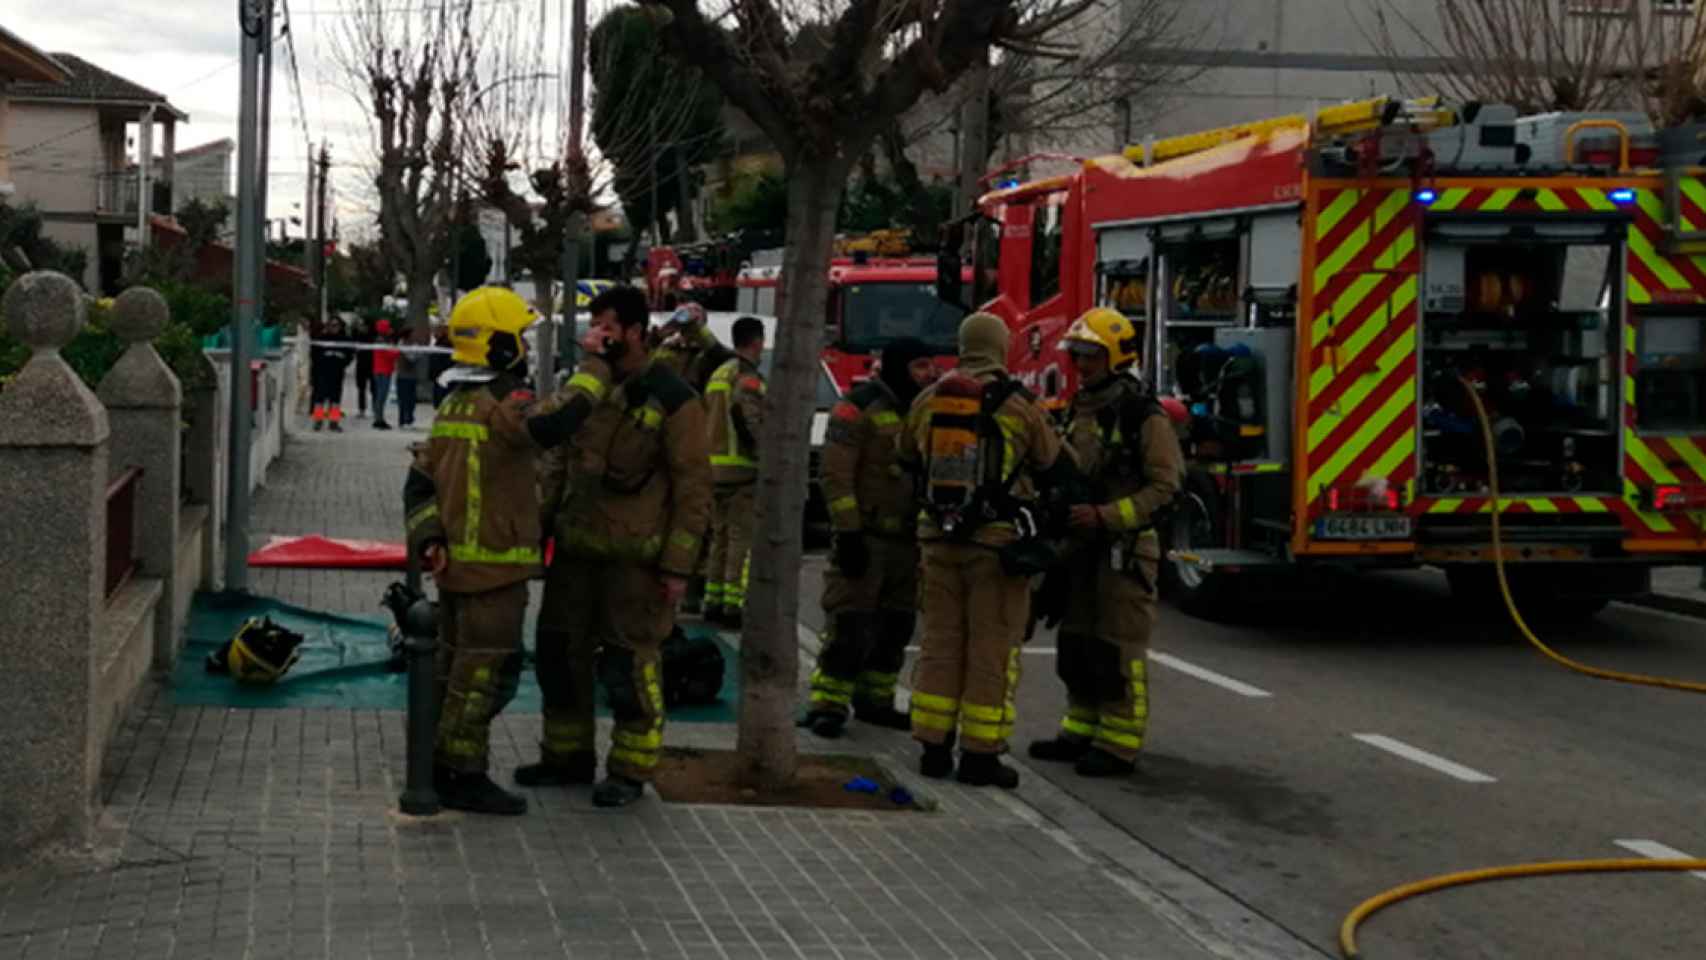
(384, 368)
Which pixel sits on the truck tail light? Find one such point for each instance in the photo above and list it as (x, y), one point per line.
(1362, 499)
(1677, 498)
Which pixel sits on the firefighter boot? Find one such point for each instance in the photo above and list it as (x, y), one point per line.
(986, 770)
(1100, 763)
(570, 770)
(476, 793)
(882, 715)
(825, 723)
(617, 791)
(1061, 749)
(937, 761)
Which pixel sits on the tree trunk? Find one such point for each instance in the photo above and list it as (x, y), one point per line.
(421, 294)
(770, 643)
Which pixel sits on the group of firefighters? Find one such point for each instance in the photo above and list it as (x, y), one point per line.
(958, 497)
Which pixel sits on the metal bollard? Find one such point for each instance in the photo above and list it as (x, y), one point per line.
(420, 645)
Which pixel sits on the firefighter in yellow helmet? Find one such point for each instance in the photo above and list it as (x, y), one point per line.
(1129, 451)
(473, 518)
(628, 502)
(981, 446)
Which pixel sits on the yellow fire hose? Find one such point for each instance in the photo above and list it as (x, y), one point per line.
(1371, 906)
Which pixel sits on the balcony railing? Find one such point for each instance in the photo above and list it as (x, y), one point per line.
(116, 193)
(121, 529)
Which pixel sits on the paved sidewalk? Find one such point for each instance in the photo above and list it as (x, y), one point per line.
(262, 834)
(1679, 590)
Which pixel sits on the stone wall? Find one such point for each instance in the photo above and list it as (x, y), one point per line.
(76, 639)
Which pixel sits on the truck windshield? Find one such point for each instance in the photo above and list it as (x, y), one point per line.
(875, 313)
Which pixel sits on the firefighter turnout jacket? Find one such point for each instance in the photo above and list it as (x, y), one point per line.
(862, 479)
(734, 409)
(693, 355)
(634, 482)
(1127, 447)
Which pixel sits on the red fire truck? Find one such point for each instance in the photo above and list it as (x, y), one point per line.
(1323, 292)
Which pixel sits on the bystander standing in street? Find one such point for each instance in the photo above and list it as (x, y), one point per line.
(412, 368)
(384, 368)
(363, 337)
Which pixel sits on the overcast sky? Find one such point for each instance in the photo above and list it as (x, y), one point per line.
(188, 50)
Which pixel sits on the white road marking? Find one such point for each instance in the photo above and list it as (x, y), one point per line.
(1653, 850)
(1207, 676)
(1426, 759)
(1027, 650)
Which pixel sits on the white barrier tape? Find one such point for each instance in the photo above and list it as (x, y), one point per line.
(400, 348)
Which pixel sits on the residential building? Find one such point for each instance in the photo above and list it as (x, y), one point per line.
(206, 173)
(19, 63)
(72, 157)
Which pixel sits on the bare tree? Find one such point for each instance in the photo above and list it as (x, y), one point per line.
(1540, 55)
(412, 68)
(521, 156)
(822, 79)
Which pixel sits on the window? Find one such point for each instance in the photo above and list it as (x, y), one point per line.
(1670, 379)
(875, 313)
(1046, 236)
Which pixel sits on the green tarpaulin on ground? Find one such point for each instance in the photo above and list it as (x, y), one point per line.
(343, 665)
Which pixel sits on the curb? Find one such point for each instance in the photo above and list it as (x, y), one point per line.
(1670, 603)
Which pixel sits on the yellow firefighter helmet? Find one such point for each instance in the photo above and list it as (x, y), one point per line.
(1106, 328)
(486, 328)
(261, 651)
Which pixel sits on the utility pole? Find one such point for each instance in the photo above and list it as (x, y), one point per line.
(570, 269)
(266, 146)
(319, 241)
(252, 19)
(310, 213)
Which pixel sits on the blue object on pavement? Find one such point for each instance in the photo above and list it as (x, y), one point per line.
(861, 785)
(900, 797)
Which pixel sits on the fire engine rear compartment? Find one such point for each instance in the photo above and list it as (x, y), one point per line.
(1528, 315)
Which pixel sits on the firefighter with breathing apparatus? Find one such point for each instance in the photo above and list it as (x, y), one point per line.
(473, 518)
(1103, 595)
(982, 448)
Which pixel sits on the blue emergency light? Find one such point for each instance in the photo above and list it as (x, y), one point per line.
(1623, 195)
(1426, 196)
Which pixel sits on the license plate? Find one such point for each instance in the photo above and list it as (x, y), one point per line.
(1361, 527)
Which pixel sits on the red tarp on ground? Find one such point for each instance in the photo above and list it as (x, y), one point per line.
(327, 553)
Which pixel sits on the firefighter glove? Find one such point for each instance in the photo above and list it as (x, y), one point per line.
(852, 554)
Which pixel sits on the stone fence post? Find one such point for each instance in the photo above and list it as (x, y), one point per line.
(145, 407)
(53, 481)
(202, 465)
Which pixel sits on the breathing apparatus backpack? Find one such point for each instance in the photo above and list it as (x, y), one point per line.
(964, 486)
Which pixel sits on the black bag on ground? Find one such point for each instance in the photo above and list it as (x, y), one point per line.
(692, 669)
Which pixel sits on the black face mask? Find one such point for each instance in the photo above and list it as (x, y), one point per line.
(898, 357)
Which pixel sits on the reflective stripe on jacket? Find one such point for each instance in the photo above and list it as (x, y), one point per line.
(734, 399)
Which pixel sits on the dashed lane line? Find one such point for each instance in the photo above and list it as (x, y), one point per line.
(1653, 850)
(1432, 761)
(1206, 675)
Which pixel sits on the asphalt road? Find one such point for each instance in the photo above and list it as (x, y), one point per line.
(1343, 739)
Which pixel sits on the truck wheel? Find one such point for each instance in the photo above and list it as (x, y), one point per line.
(1193, 526)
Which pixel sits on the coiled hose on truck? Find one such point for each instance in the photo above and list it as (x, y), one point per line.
(1371, 906)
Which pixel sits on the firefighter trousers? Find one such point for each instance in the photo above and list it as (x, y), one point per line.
(967, 672)
(1103, 646)
(732, 518)
(478, 670)
(602, 623)
(869, 622)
